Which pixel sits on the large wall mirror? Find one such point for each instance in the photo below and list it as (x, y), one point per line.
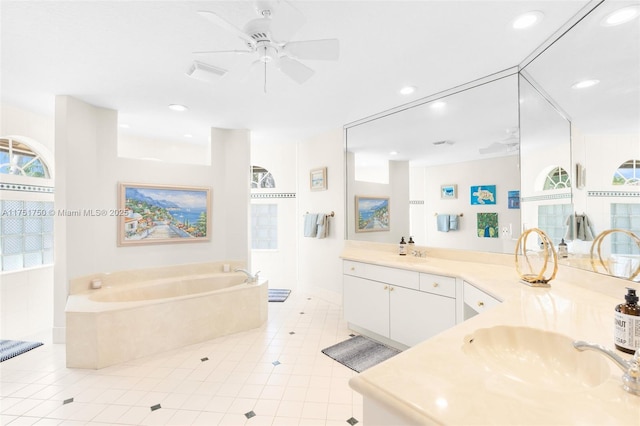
(574, 147)
(591, 76)
(440, 170)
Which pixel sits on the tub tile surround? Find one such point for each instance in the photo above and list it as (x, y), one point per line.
(142, 312)
(435, 382)
(216, 382)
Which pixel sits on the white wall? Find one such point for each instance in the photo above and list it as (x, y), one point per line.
(26, 297)
(279, 266)
(319, 264)
(502, 172)
(88, 177)
(181, 152)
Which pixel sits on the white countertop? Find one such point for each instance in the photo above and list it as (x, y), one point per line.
(436, 382)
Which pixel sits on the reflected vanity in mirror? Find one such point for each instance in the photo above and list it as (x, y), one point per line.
(591, 76)
(577, 144)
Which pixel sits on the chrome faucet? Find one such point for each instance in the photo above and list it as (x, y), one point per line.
(631, 376)
(251, 278)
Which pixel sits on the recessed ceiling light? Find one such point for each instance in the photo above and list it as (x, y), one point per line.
(621, 16)
(438, 104)
(407, 90)
(527, 20)
(393, 153)
(187, 135)
(123, 125)
(584, 84)
(177, 107)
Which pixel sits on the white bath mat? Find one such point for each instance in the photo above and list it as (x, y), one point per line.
(359, 353)
(11, 348)
(278, 294)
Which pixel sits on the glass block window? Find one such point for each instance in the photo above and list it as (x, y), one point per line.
(552, 220)
(264, 226)
(17, 158)
(261, 178)
(625, 216)
(26, 234)
(628, 173)
(557, 178)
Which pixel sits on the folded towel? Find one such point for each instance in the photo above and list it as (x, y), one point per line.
(310, 225)
(323, 226)
(453, 222)
(443, 222)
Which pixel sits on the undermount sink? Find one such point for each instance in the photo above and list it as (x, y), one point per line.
(536, 357)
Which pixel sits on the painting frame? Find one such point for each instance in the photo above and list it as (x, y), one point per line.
(318, 179)
(363, 213)
(449, 192)
(175, 214)
(483, 195)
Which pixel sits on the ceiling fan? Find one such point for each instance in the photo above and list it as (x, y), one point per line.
(268, 38)
(508, 144)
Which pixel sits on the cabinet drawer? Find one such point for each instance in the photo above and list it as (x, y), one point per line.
(477, 299)
(383, 274)
(356, 269)
(438, 284)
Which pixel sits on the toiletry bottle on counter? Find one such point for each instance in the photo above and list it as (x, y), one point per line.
(562, 249)
(627, 323)
(402, 247)
(411, 243)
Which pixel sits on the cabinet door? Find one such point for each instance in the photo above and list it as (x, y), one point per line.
(366, 304)
(416, 316)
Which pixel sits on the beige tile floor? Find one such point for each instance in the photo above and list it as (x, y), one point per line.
(274, 375)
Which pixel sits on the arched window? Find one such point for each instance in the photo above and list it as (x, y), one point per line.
(628, 173)
(17, 158)
(557, 178)
(26, 204)
(261, 178)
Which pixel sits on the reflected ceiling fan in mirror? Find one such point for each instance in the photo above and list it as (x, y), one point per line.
(268, 38)
(507, 145)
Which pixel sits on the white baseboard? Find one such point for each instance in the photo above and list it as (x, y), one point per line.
(59, 335)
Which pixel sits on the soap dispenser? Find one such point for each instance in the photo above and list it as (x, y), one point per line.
(402, 247)
(562, 249)
(627, 323)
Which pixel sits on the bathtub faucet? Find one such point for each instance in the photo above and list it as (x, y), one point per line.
(251, 278)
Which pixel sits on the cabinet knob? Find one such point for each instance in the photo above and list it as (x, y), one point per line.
(435, 284)
(353, 268)
(390, 288)
(386, 287)
(480, 304)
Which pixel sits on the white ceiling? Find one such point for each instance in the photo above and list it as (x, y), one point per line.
(132, 56)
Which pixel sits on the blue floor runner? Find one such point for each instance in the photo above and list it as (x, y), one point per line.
(278, 294)
(11, 348)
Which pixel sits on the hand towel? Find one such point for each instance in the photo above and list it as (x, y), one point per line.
(453, 222)
(443, 222)
(323, 226)
(310, 225)
(570, 234)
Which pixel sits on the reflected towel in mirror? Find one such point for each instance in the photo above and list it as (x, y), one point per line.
(310, 224)
(443, 222)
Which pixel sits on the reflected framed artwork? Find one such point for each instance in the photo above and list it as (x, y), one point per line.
(156, 214)
(513, 199)
(449, 192)
(318, 179)
(484, 194)
(372, 214)
(487, 225)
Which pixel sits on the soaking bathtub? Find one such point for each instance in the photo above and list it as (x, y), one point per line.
(138, 313)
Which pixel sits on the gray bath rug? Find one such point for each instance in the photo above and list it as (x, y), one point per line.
(278, 294)
(11, 348)
(359, 353)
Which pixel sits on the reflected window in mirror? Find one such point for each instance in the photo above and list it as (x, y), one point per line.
(625, 216)
(628, 173)
(553, 219)
(261, 178)
(557, 178)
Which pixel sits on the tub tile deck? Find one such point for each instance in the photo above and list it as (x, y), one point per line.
(277, 372)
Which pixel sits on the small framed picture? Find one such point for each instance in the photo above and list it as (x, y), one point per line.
(318, 179)
(449, 192)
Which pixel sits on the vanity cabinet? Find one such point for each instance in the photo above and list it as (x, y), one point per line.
(476, 301)
(391, 302)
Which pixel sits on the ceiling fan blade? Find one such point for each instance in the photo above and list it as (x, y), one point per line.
(328, 49)
(294, 69)
(286, 20)
(223, 23)
(204, 52)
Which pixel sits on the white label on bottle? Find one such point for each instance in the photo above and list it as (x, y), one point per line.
(627, 331)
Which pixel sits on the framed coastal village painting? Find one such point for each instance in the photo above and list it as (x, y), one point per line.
(155, 214)
(372, 214)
